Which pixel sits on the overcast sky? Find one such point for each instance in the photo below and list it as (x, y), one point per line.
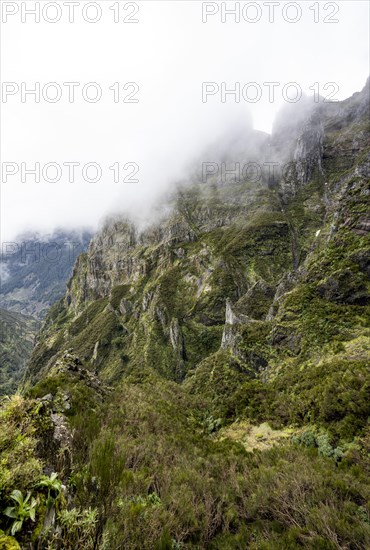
(169, 53)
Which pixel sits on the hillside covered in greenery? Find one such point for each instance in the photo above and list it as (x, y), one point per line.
(204, 383)
(34, 271)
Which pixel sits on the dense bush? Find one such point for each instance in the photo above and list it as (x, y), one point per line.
(158, 481)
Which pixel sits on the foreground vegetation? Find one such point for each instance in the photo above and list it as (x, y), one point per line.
(152, 469)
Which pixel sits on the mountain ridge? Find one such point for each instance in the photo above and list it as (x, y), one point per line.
(120, 253)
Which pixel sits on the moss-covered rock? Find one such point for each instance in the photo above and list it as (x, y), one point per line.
(8, 543)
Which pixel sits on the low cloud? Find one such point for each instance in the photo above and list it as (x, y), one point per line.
(170, 53)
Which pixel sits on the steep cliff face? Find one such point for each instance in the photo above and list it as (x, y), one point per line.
(157, 296)
(177, 273)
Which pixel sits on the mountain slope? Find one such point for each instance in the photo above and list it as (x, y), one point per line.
(17, 336)
(35, 270)
(204, 383)
(160, 294)
(34, 273)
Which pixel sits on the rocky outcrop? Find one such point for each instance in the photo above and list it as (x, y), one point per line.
(178, 344)
(236, 340)
(307, 158)
(229, 335)
(286, 284)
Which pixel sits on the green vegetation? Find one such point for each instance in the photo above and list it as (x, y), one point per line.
(24, 509)
(17, 334)
(205, 384)
(150, 471)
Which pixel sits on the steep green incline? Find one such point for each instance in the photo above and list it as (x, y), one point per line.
(204, 383)
(17, 336)
(34, 272)
(290, 260)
